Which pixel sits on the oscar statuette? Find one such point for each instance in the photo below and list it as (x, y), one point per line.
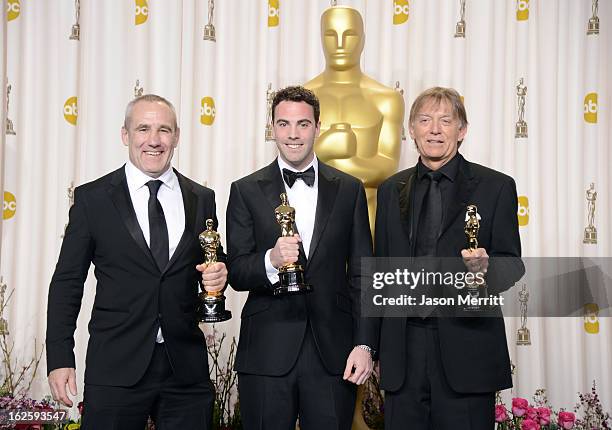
(291, 275)
(472, 226)
(212, 304)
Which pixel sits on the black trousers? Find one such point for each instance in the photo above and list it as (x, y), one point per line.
(426, 401)
(320, 400)
(172, 405)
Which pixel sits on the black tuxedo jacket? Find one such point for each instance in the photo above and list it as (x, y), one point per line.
(273, 328)
(133, 297)
(474, 350)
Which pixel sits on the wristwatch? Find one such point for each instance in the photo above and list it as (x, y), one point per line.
(366, 348)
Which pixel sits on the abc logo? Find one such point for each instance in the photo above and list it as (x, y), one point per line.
(523, 211)
(522, 10)
(12, 9)
(10, 206)
(273, 13)
(142, 12)
(591, 322)
(208, 111)
(590, 108)
(400, 11)
(70, 110)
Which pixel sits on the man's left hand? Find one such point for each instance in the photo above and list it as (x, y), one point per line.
(358, 366)
(476, 260)
(214, 276)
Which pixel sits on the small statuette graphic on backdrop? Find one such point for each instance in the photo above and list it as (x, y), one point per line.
(138, 90)
(593, 27)
(460, 26)
(9, 129)
(521, 124)
(523, 337)
(4, 329)
(209, 29)
(75, 33)
(401, 91)
(590, 232)
(269, 100)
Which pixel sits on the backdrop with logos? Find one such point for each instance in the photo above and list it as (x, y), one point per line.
(534, 74)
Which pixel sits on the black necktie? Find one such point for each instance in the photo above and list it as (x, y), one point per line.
(158, 239)
(308, 176)
(431, 216)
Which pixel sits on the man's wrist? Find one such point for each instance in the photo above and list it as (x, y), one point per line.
(367, 349)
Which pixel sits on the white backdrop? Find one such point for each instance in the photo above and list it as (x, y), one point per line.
(61, 140)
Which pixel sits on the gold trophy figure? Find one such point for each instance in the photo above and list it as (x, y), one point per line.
(9, 129)
(70, 192)
(521, 124)
(290, 275)
(472, 227)
(460, 27)
(4, 330)
(75, 33)
(212, 304)
(590, 232)
(523, 337)
(269, 100)
(361, 119)
(209, 29)
(593, 27)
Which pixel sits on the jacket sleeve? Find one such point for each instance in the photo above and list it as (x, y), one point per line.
(66, 288)
(246, 265)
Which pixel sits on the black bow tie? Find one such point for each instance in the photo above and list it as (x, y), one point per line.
(308, 176)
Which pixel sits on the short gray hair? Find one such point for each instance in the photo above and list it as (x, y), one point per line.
(152, 98)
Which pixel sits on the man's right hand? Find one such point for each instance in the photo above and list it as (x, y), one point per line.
(286, 250)
(58, 378)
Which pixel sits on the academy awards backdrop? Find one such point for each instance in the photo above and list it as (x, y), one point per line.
(534, 75)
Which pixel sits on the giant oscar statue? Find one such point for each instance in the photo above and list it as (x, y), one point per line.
(361, 119)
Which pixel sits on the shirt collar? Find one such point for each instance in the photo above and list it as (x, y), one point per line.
(449, 170)
(282, 164)
(137, 179)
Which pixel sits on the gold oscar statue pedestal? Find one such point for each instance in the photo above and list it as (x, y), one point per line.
(361, 119)
(593, 25)
(523, 337)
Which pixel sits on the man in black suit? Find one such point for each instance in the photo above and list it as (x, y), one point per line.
(139, 226)
(298, 355)
(442, 372)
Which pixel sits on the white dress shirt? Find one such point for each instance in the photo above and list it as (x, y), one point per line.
(171, 200)
(304, 200)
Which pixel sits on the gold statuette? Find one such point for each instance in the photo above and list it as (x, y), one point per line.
(590, 232)
(523, 337)
(75, 33)
(209, 29)
(471, 229)
(370, 114)
(521, 124)
(212, 305)
(593, 27)
(70, 192)
(460, 26)
(138, 90)
(290, 275)
(9, 129)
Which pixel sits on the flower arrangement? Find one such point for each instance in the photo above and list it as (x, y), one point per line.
(587, 415)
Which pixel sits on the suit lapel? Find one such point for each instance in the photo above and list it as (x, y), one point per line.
(326, 197)
(120, 196)
(405, 192)
(190, 204)
(464, 187)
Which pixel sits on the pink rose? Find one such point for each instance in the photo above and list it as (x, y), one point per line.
(566, 420)
(529, 425)
(501, 414)
(543, 416)
(519, 406)
(532, 414)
